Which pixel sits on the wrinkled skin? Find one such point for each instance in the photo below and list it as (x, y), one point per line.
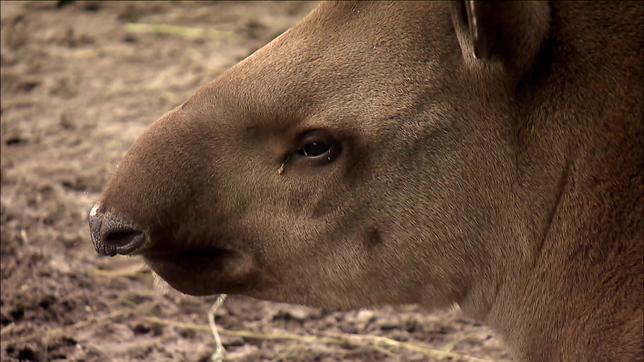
(451, 179)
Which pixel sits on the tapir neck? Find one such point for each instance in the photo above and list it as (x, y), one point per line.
(580, 184)
(582, 295)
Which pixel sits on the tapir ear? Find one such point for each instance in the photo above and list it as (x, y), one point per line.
(508, 31)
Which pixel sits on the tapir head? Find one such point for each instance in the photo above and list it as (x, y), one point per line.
(365, 156)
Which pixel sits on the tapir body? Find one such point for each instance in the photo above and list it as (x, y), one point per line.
(487, 154)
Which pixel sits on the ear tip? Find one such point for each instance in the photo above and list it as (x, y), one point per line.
(481, 50)
(510, 32)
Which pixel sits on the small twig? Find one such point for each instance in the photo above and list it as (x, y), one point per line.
(7, 329)
(386, 352)
(24, 236)
(218, 356)
(449, 346)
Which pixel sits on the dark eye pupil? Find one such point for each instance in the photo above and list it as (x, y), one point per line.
(315, 148)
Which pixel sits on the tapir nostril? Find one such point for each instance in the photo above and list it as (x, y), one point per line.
(123, 240)
(113, 235)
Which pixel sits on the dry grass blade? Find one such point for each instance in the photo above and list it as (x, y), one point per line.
(218, 356)
(377, 343)
(177, 30)
(129, 271)
(393, 344)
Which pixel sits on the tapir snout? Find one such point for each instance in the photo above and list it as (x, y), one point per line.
(113, 235)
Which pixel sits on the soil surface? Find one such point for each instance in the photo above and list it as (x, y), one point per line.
(80, 81)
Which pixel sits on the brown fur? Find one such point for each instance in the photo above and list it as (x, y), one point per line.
(510, 184)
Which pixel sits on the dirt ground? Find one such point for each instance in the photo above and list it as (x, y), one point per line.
(79, 83)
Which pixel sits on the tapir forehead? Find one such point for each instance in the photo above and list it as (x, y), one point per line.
(344, 60)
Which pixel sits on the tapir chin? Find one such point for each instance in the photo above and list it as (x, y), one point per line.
(484, 154)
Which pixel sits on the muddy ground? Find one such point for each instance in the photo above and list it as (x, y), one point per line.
(79, 84)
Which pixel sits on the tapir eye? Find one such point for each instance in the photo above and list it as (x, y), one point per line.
(315, 148)
(316, 145)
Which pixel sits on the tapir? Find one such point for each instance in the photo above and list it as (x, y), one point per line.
(483, 154)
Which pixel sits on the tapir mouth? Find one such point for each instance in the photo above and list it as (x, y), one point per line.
(190, 260)
(196, 271)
